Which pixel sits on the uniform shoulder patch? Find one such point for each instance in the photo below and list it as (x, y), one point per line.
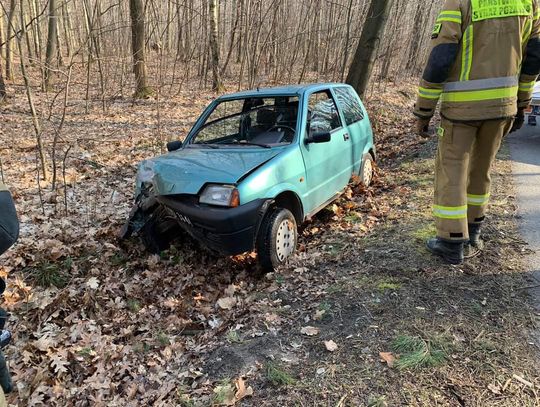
(436, 30)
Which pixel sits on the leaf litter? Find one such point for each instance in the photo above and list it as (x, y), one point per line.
(97, 320)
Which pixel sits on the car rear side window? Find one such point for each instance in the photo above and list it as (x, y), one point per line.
(347, 99)
(323, 113)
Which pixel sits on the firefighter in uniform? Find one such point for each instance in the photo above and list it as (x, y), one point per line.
(484, 62)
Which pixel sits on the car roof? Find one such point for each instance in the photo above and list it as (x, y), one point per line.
(297, 90)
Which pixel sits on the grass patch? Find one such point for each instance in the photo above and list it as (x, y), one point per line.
(133, 305)
(415, 352)
(118, 260)
(49, 274)
(85, 352)
(233, 337)
(277, 376)
(163, 339)
(424, 233)
(388, 286)
(377, 401)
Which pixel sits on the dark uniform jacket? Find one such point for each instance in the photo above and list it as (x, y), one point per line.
(484, 61)
(9, 224)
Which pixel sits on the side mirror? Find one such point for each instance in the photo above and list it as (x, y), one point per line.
(174, 145)
(319, 137)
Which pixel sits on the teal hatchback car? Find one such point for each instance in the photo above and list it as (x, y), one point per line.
(254, 166)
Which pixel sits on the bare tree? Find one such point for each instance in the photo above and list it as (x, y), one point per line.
(10, 31)
(370, 40)
(52, 39)
(138, 41)
(217, 84)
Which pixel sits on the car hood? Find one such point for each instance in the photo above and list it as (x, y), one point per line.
(186, 171)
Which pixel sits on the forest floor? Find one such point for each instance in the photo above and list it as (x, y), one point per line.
(362, 315)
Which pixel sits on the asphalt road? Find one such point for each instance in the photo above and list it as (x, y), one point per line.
(525, 153)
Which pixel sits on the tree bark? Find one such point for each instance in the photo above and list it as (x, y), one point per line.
(50, 54)
(217, 84)
(136, 11)
(9, 44)
(370, 40)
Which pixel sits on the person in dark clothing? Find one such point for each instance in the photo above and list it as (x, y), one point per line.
(9, 232)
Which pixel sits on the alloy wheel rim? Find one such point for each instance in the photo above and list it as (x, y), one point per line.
(285, 240)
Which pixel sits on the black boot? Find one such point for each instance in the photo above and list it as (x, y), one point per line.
(475, 230)
(452, 252)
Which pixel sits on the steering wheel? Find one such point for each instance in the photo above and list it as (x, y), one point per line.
(291, 131)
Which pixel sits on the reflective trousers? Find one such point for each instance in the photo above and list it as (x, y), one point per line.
(465, 154)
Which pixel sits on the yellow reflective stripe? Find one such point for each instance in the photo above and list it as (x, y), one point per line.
(450, 212)
(467, 56)
(429, 93)
(453, 16)
(449, 19)
(526, 32)
(480, 95)
(478, 200)
(526, 86)
(451, 13)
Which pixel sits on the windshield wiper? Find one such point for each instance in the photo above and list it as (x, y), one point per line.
(247, 143)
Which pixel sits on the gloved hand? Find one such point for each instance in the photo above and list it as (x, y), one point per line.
(422, 126)
(518, 120)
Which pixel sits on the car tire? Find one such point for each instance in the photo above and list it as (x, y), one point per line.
(277, 239)
(159, 231)
(367, 170)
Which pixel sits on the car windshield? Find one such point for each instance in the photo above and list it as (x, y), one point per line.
(261, 122)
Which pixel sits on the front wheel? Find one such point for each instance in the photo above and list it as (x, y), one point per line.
(277, 239)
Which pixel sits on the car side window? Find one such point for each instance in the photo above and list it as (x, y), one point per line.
(348, 101)
(322, 113)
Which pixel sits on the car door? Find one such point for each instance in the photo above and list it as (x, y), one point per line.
(328, 165)
(353, 115)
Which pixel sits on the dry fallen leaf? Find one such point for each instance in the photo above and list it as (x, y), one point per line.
(388, 357)
(495, 389)
(93, 283)
(331, 346)
(241, 389)
(309, 330)
(226, 302)
(319, 315)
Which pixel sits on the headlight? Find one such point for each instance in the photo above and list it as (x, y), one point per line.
(220, 195)
(145, 172)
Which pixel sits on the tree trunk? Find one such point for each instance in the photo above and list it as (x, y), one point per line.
(35, 118)
(51, 42)
(9, 49)
(217, 84)
(370, 40)
(3, 93)
(136, 11)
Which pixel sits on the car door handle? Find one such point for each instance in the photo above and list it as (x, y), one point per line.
(346, 136)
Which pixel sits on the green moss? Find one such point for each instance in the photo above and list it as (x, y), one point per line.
(277, 376)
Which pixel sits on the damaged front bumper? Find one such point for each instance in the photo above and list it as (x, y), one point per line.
(228, 231)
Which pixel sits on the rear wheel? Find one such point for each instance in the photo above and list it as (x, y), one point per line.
(367, 170)
(277, 239)
(159, 230)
